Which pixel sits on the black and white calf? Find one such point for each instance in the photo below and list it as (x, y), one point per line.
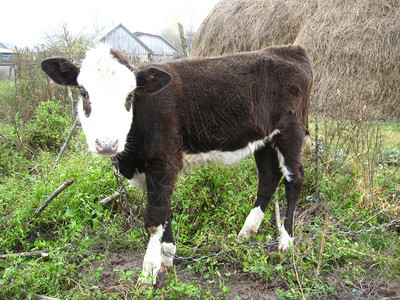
(161, 118)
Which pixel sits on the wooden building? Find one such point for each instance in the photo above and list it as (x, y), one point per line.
(7, 52)
(148, 47)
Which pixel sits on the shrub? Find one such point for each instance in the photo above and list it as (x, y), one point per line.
(48, 128)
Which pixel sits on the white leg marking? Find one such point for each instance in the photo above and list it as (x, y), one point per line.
(152, 259)
(252, 223)
(166, 260)
(285, 171)
(284, 239)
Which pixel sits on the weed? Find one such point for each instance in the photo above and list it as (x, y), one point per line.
(358, 189)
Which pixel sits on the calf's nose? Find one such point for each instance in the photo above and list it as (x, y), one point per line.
(106, 147)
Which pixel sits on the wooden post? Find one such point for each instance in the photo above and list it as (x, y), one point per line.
(183, 40)
(71, 103)
(16, 74)
(316, 160)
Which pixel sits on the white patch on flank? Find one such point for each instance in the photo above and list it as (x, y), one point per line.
(139, 180)
(228, 158)
(152, 258)
(252, 223)
(167, 261)
(108, 84)
(285, 240)
(285, 171)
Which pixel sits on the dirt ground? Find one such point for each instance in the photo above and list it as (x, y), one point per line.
(241, 286)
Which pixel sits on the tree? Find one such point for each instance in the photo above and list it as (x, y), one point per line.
(69, 45)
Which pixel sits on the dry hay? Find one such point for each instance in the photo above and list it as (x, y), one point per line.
(244, 25)
(354, 47)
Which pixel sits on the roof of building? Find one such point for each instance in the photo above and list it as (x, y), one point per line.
(139, 36)
(7, 48)
(130, 33)
(142, 34)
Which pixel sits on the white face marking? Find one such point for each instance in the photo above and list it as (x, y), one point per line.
(167, 261)
(139, 180)
(108, 84)
(252, 223)
(152, 258)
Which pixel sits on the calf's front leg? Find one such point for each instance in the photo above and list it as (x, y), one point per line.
(152, 258)
(158, 224)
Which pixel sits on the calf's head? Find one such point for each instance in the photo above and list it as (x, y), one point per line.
(107, 84)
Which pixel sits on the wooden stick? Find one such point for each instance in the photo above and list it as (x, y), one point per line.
(32, 253)
(24, 254)
(70, 134)
(53, 195)
(39, 297)
(109, 198)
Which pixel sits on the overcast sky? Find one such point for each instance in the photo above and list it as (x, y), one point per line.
(25, 22)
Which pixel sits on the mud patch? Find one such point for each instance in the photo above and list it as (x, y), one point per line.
(244, 286)
(241, 285)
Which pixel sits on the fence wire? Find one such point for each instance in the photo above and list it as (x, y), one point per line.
(270, 245)
(273, 244)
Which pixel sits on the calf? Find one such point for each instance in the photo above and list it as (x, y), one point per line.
(161, 118)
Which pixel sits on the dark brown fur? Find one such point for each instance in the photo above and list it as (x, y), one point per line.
(221, 104)
(200, 105)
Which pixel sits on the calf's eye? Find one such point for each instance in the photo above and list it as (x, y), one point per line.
(84, 94)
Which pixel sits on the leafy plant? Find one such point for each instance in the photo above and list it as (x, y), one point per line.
(49, 127)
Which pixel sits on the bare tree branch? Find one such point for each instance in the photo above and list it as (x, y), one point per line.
(109, 198)
(33, 253)
(71, 133)
(53, 195)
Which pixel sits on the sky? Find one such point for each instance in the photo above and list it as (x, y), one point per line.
(25, 23)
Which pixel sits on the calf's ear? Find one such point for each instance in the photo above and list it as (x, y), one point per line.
(61, 70)
(152, 80)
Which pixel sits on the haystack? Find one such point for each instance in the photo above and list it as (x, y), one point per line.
(244, 25)
(354, 47)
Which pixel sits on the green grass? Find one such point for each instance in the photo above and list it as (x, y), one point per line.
(209, 206)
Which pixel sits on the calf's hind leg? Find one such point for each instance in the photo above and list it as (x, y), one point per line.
(269, 175)
(289, 147)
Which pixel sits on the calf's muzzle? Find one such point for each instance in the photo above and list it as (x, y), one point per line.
(107, 147)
